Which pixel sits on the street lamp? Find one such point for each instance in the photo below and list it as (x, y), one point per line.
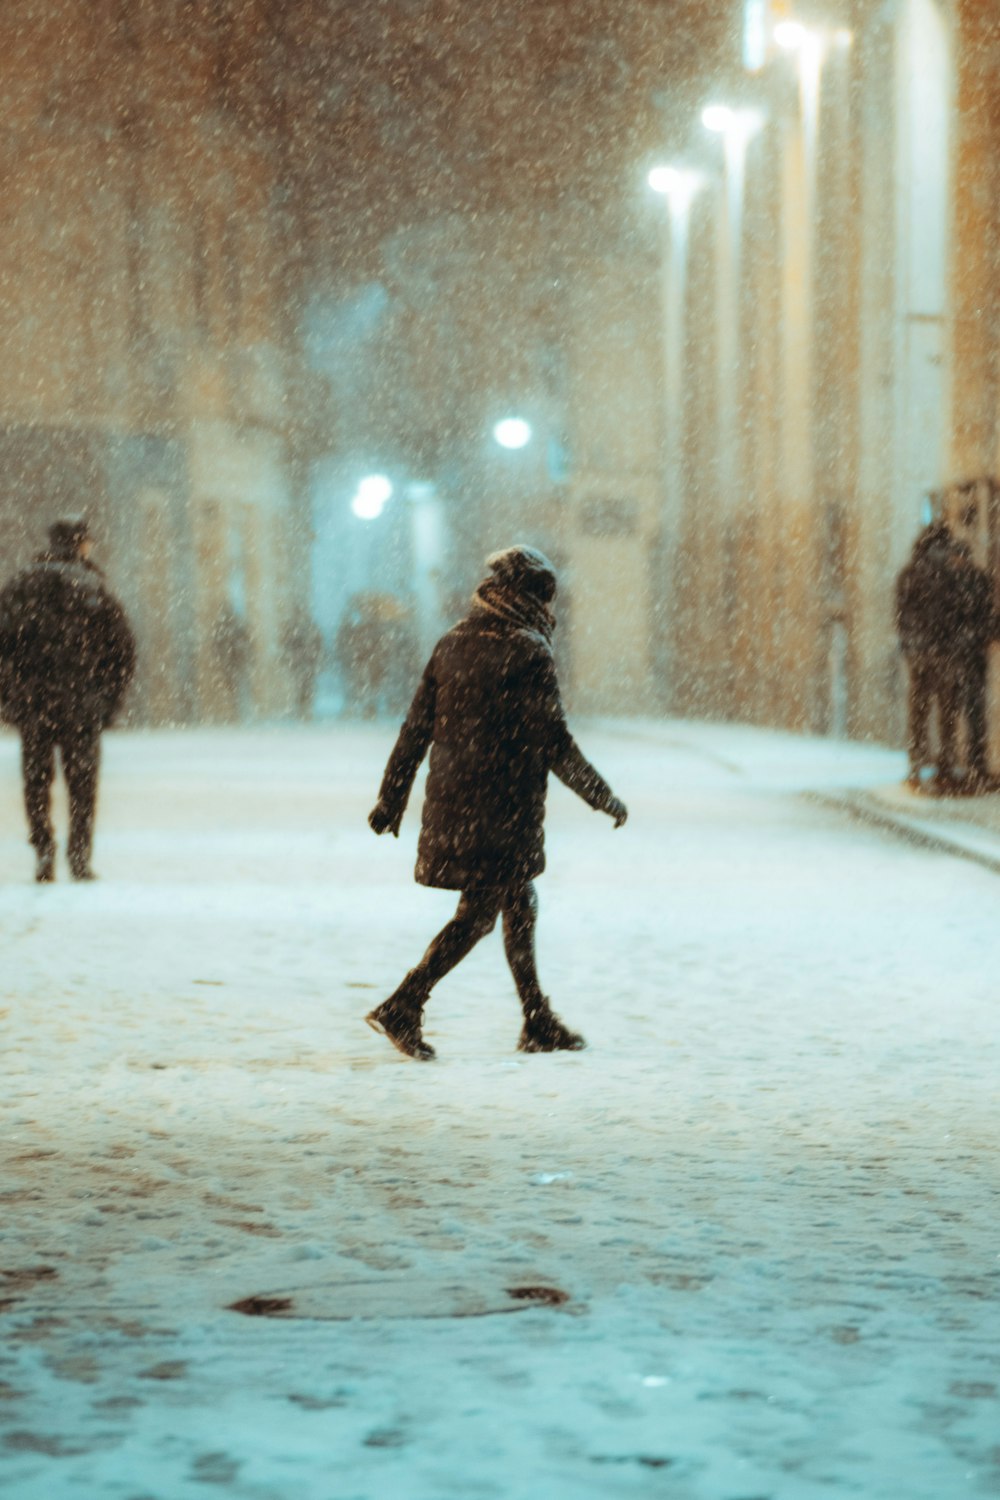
(790, 35)
(371, 496)
(677, 185)
(793, 36)
(512, 432)
(737, 127)
(734, 124)
(810, 45)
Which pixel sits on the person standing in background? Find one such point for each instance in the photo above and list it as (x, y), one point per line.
(67, 655)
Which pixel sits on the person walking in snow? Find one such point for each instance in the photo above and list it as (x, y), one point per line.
(489, 708)
(67, 654)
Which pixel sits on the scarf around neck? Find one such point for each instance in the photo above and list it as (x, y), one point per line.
(522, 610)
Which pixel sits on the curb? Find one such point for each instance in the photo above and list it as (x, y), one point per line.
(865, 808)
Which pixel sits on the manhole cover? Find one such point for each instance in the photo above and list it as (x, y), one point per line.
(397, 1298)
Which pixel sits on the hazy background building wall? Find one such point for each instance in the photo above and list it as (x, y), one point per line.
(867, 362)
(145, 373)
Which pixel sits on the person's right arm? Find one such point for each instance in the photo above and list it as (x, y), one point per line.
(404, 762)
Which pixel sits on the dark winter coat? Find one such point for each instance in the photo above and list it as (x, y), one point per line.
(67, 653)
(488, 705)
(977, 621)
(928, 597)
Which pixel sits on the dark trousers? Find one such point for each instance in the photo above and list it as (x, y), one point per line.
(933, 679)
(973, 706)
(79, 746)
(477, 915)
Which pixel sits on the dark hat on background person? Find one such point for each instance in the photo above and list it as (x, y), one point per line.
(523, 570)
(68, 533)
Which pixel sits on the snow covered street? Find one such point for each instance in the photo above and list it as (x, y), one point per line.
(768, 1189)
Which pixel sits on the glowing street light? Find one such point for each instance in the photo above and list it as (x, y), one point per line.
(677, 185)
(790, 35)
(512, 432)
(734, 124)
(793, 36)
(371, 496)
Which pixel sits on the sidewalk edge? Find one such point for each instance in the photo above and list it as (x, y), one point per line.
(867, 809)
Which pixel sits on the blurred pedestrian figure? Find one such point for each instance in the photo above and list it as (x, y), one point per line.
(488, 706)
(928, 619)
(67, 655)
(403, 658)
(233, 652)
(302, 652)
(364, 650)
(976, 627)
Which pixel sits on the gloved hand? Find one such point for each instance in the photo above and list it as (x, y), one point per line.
(616, 809)
(381, 820)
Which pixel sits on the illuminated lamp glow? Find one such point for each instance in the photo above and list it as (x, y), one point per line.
(790, 35)
(366, 508)
(371, 496)
(512, 432)
(676, 184)
(734, 124)
(376, 487)
(717, 117)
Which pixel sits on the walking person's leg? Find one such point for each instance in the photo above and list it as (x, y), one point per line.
(542, 1031)
(81, 753)
(948, 694)
(919, 709)
(398, 1018)
(974, 707)
(37, 772)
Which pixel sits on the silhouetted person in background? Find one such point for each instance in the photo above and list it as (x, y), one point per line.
(366, 641)
(928, 619)
(976, 627)
(233, 651)
(488, 706)
(403, 655)
(67, 654)
(302, 652)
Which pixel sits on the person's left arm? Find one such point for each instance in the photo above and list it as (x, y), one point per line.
(565, 758)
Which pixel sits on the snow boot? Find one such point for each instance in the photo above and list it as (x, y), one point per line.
(544, 1032)
(45, 866)
(398, 1020)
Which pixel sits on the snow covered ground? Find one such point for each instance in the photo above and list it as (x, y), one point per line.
(769, 1188)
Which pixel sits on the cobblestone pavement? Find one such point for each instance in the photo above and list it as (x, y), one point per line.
(745, 1247)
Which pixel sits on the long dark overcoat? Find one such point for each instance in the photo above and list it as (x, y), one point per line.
(67, 653)
(488, 705)
(927, 600)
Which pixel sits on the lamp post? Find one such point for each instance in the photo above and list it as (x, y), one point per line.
(679, 186)
(809, 48)
(737, 127)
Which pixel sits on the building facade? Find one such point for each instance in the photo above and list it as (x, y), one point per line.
(832, 302)
(146, 379)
